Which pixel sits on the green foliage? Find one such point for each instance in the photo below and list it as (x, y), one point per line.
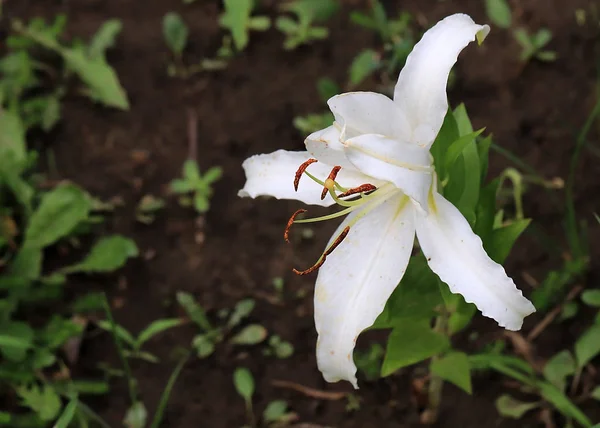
(369, 362)
(453, 367)
(302, 30)
(175, 33)
(510, 407)
(397, 38)
(238, 21)
(532, 45)
(498, 11)
(195, 188)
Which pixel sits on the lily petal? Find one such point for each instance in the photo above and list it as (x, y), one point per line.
(273, 175)
(457, 256)
(357, 279)
(406, 165)
(325, 145)
(359, 113)
(421, 88)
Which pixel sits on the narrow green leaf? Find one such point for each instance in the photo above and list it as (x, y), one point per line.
(510, 407)
(59, 212)
(503, 239)
(12, 137)
(156, 327)
(204, 345)
(250, 335)
(587, 346)
(120, 331)
(454, 367)
(194, 310)
(104, 38)
(164, 398)
(109, 254)
(242, 309)
(67, 415)
(411, 343)
(591, 298)
(16, 338)
(27, 263)
(244, 383)
(559, 367)
(363, 65)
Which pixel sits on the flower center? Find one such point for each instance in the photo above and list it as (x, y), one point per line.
(365, 198)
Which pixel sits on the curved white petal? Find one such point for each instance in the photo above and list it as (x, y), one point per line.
(360, 113)
(273, 175)
(457, 256)
(421, 88)
(357, 279)
(406, 165)
(325, 145)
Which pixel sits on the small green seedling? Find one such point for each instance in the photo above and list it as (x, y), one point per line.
(279, 348)
(176, 33)
(301, 30)
(238, 21)
(397, 37)
(498, 11)
(369, 362)
(147, 208)
(276, 414)
(196, 189)
(135, 343)
(532, 45)
(244, 385)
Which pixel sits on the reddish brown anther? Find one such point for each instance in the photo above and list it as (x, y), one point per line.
(327, 252)
(286, 234)
(332, 175)
(360, 189)
(300, 171)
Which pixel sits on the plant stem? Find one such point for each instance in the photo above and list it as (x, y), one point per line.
(436, 383)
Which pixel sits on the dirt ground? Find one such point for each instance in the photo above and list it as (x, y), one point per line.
(237, 249)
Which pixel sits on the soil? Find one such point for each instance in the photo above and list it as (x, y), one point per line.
(237, 249)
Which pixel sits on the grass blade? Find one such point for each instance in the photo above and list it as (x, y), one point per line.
(164, 398)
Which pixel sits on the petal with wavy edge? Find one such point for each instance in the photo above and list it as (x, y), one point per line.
(457, 256)
(360, 113)
(273, 175)
(325, 146)
(406, 165)
(357, 279)
(421, 88)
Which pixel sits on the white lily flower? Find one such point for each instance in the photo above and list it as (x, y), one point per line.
(378, 153)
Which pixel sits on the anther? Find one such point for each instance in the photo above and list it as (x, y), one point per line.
(286, 234)
(360, 189)
(327, 252)
(330, 182)
(300, 171)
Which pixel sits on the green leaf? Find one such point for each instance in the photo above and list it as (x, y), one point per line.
(181, 186)
(175, 32)
(587, 346)
(213, 174)
(136, 416)
(242, 309)
(503, 239)
(104, 38)
(100, 78)
(448, 134)
(120, 331)
(596, 393)
(204, 345)
(454, 367)
(156, 327)
(498, 11)
(410, 343)
(244, 383)
(15, 339)
(275, 411)
(311, 10)
(591, 298)
(250, 335)
(59, 212)
(259, 23)
(286, 25)
(458, 146)
(327, 88)
(542, 38)
(12, 137)
(558, 368)
(109, 254)
(235, 18)
(67, 415)
(510, 407)
(27, 263)
(201, 204)
(562, 403)
(363, 65)
(191, 172)
(44, 401)
(194, 310)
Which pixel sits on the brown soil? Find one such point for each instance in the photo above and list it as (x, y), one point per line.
(238, 249)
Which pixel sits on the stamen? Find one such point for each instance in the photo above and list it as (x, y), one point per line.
(300, 171)
(360, 189)
(330, 182)
(327, 252)
(286, 234)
